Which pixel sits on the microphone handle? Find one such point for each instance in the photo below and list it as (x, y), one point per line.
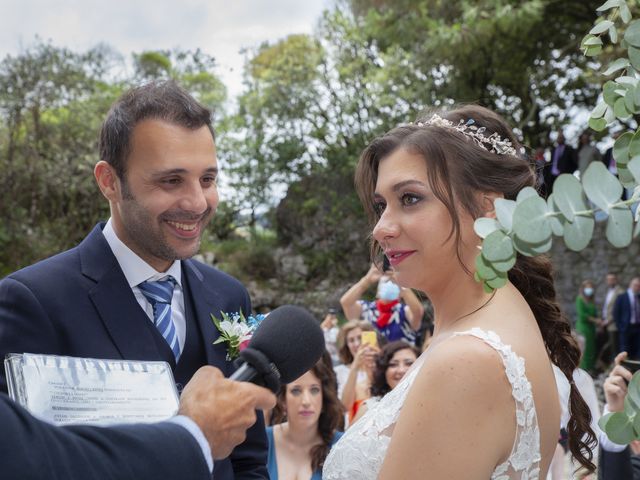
(246, 373)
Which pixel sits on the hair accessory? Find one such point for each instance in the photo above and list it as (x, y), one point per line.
(492, 143)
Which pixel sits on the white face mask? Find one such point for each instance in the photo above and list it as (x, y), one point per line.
(588, 291)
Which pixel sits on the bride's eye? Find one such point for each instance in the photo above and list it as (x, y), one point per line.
(408, 199)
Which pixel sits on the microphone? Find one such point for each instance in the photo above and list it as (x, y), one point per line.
(286, 344)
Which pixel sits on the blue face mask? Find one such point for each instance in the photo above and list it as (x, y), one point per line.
(588, 292)
(389, 291)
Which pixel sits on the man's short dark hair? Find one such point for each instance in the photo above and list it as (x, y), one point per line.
(162, 100)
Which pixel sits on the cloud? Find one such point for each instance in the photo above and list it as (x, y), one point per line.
(219, 27)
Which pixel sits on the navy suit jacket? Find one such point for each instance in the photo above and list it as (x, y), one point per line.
(78, 303)
(622, 312)
(32, 450)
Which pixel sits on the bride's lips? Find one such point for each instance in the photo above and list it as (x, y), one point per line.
(397, 256)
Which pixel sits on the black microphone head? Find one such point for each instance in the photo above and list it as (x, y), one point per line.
(291, 339)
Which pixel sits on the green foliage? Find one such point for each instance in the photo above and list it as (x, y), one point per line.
(624, 427)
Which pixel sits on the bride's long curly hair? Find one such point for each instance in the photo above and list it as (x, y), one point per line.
(457, 170)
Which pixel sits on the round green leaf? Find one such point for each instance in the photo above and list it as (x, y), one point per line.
(632, 35)
(620, 226)
(591, 41)
(484, 268)
(498, 282)
(633, 395)
(620, 109)
(613, 34)
(600, 186)
(609, 93)
(530, 220)
(504, 212)
(556, 221)
(497, 247)
(625, 12)
(625, 177)
(484, 226)
(525, 193)
(568, 196)
(627, 81)
(599, 110)
(578, 233)
(630, 101)
(601, 27)
(621, 147)
(597, 124)
(609, 4)
(634, 55)
(609, 116)
(618, 427)
(531, 249)
(634, 168)
(504, 267)
(634, 145)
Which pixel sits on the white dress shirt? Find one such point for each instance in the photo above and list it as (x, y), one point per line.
(136, 271)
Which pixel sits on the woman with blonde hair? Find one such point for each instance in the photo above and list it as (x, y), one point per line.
(358, 362)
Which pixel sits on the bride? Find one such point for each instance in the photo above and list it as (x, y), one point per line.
(482, 401)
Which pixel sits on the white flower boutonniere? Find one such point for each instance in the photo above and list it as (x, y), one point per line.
(236, 330)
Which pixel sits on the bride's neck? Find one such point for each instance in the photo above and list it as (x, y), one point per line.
(456, 299)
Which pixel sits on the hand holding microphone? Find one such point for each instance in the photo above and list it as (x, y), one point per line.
(287, 343)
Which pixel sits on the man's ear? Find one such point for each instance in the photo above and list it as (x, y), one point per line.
(107, 180)
(487, 203)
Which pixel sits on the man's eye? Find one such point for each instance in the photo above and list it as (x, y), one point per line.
(171, 181)
(209, 180)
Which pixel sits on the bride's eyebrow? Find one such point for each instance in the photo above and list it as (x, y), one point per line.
(405, 183)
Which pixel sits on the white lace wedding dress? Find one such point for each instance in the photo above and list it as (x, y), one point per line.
(359, 454)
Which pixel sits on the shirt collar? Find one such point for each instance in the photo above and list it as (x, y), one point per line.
(135, 269)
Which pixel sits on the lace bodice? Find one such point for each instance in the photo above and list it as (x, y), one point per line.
(361, 450)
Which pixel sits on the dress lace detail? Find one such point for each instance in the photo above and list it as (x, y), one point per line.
(361, 450)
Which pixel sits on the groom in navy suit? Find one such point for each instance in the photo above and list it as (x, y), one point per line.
(130, 289)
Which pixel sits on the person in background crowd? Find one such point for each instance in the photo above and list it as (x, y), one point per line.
(330, 329)
(563, 160)
(614, 290)
(306, 422)
(393, 363)
(618, 462)
(396, 313)
(587, 320)
(587, 153)
(358, 362)
(626, 314)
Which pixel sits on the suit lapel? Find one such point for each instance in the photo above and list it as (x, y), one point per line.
(205, 301)
(127, 324)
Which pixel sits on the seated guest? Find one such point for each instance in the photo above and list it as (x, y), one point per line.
(393, 363)
(396, 312)
(354, 376)
(312, 418)
(617, 461)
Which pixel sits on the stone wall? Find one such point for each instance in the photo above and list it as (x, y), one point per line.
(593, 263)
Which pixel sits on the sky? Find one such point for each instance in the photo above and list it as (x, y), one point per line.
(218, 27)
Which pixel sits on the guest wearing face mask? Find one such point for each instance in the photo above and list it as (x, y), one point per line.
(587, 321)
(396, 312)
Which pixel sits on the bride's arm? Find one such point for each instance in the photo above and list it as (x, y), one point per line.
(458, 420)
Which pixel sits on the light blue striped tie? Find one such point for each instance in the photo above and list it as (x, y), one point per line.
(159, 294)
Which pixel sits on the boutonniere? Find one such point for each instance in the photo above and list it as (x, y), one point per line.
(236, 330)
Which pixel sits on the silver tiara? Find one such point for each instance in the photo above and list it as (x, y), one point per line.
(492, 143)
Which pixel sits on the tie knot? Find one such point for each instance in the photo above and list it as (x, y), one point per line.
(159, 291)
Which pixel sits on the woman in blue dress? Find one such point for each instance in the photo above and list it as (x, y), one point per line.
(306, 423)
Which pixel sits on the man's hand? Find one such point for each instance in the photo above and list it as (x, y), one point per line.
(615, 387)
(222, 408)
